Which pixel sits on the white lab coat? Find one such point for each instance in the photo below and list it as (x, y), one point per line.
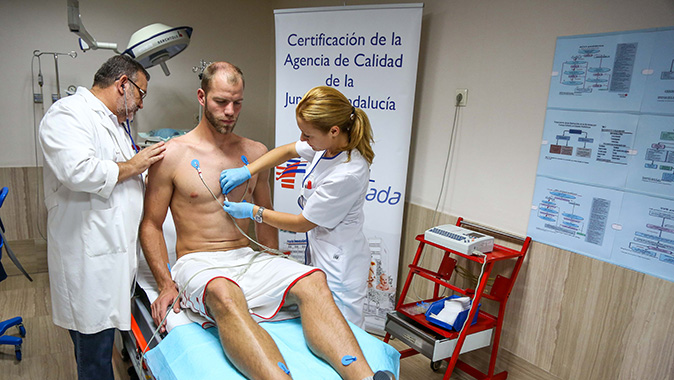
(93, 220)
(332, 197)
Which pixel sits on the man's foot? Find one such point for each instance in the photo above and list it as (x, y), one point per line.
(383, 375)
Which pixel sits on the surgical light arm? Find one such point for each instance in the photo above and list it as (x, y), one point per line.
(86, 40)
(150, 46)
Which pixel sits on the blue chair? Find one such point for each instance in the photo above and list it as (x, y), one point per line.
(16, 321)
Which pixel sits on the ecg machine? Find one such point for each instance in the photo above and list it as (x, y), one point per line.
(459, 239)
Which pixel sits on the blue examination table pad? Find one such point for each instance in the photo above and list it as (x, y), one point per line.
(192, 352)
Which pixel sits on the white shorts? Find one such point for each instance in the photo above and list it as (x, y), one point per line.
(263, 278)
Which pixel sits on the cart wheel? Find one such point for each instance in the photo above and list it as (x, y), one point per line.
(435, 366)
(22, 330)
(17, 352)
(124, 353)
(133, 375)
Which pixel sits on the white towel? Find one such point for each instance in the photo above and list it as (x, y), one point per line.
(451, 310)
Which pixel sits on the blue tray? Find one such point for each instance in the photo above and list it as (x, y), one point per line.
(460, 319)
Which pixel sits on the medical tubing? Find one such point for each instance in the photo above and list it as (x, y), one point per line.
(444, 176)
(35, 133)
(58, 81)
(472, 304)
(468, 275)
(127, 127)
(209, 189)
(267, 249)
(447, 167)
(128, 132)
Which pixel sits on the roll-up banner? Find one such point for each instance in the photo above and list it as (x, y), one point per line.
(369, 53)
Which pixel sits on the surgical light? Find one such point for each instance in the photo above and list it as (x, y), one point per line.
(157, 43)
(150, 46)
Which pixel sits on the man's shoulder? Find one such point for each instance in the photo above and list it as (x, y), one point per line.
(253, 148)
(254, 144)
(179, 140)
(175, 145)
(176, 148)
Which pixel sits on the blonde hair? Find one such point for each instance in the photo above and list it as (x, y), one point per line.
(325, 107)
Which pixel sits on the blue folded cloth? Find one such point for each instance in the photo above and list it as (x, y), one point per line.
(166, 133)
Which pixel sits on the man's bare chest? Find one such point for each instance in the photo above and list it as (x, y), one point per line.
(197, 178)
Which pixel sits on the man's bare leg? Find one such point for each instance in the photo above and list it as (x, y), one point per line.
(247, 345)
(327, 333)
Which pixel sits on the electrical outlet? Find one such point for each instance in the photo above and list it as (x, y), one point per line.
(461, 97)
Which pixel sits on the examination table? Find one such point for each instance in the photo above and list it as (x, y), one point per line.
(189, 351)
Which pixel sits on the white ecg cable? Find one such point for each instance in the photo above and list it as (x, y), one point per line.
(467, 323)
(195, 164)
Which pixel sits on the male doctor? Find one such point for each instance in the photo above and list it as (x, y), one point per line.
(93, 189)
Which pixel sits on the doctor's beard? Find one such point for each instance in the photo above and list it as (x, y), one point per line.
(130, 108)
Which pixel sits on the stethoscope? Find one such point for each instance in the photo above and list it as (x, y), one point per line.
(127, 124)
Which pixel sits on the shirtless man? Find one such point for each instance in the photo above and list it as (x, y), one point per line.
(206, 232)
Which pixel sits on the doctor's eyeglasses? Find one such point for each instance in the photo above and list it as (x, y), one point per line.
(142, 92)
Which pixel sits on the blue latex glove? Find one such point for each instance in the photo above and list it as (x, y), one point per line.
(239, 210)
(231, 178)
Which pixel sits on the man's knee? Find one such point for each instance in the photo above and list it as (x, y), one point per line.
(312, 286)
(223, 296)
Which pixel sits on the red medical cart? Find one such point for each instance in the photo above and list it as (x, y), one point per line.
(409, 324)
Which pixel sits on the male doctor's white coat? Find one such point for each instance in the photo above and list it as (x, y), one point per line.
(92, 220)
(332, 197)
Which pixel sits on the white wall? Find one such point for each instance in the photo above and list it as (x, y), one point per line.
(501, 51)
(238, 31)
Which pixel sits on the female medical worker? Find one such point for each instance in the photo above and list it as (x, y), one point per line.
(336, 141)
